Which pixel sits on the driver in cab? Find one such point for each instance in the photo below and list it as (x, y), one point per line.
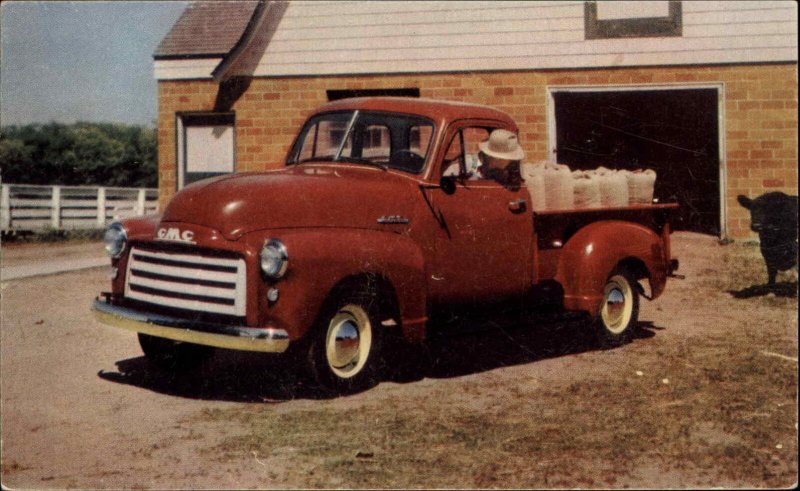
(500, 158)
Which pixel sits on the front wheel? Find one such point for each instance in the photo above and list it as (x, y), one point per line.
(619, 311)
(344, 354)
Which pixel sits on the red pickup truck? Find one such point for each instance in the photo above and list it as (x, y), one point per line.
(363, 234)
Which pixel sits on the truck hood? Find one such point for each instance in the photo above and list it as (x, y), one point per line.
(310, 195)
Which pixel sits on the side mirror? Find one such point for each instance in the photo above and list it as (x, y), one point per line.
(448, 184)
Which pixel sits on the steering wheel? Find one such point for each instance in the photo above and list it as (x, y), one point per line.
(407, 158)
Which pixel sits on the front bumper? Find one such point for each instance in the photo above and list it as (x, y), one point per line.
(267, 340)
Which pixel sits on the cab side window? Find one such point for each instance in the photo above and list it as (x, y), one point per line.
(472, 137)
(453, 164)
(461, 158)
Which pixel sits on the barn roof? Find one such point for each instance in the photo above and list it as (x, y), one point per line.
(207, 29)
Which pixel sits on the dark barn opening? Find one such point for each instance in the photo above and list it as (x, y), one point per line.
(674, 132)
(335, 95)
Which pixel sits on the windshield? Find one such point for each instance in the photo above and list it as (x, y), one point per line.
(388, 140)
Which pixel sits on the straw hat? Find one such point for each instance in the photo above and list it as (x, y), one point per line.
(502, 144)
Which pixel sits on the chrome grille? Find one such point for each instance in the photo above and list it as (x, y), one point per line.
(184, 281)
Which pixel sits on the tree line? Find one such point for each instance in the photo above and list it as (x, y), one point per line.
(99, 154)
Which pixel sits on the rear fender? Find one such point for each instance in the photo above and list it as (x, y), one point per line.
(594, 251)
(320, 259)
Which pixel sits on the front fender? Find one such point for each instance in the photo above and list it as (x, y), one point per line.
(594, 251)
(141, 228)
(320, 258)
(138, 229)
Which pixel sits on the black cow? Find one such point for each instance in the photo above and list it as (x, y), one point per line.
(774, 217)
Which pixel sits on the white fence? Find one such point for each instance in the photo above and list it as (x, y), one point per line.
(26, 207)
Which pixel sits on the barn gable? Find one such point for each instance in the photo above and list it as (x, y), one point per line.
(320, 38)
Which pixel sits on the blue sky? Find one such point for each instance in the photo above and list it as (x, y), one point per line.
(81, 61)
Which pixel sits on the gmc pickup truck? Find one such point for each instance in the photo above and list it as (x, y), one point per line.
(367, 232)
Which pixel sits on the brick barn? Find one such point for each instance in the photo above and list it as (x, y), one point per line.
(704, 92)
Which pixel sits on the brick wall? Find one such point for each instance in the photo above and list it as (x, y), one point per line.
(760, 115)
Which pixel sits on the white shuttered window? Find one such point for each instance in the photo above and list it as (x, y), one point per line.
(206, 146)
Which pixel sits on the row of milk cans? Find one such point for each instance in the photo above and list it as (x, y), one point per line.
(555, 187)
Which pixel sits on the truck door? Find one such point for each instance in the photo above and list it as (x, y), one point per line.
(483, 242)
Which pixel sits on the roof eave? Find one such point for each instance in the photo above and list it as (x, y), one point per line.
(220, 73)
(189, 56)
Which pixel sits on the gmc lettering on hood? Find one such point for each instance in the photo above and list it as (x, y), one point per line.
(175, 235)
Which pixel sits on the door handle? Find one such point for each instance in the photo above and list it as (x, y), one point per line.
(517, 205)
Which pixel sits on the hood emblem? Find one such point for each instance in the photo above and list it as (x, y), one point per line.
(392, 219)
(175, 235)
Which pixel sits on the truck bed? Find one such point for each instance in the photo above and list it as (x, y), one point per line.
(552, 225)
(553, 228)
(615, 210)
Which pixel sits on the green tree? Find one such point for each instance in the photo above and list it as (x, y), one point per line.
(79, 154)
(98, 156)
(15, 159)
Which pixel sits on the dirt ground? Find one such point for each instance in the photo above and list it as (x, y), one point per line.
(705, 396)
(22, 253)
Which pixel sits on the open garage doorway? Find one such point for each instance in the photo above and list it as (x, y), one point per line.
(672, 131)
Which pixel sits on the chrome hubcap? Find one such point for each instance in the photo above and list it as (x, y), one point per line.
(615, 305)
(348, 341)
(345, 344)
(617, 308)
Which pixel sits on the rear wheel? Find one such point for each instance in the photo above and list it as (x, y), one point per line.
(619, 311)
(173, 355)
(344, 353)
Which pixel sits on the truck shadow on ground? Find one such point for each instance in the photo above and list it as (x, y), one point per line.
(254, 377)
(503, 346)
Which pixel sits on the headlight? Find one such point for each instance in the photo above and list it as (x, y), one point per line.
(274, 259)
(116, 238)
